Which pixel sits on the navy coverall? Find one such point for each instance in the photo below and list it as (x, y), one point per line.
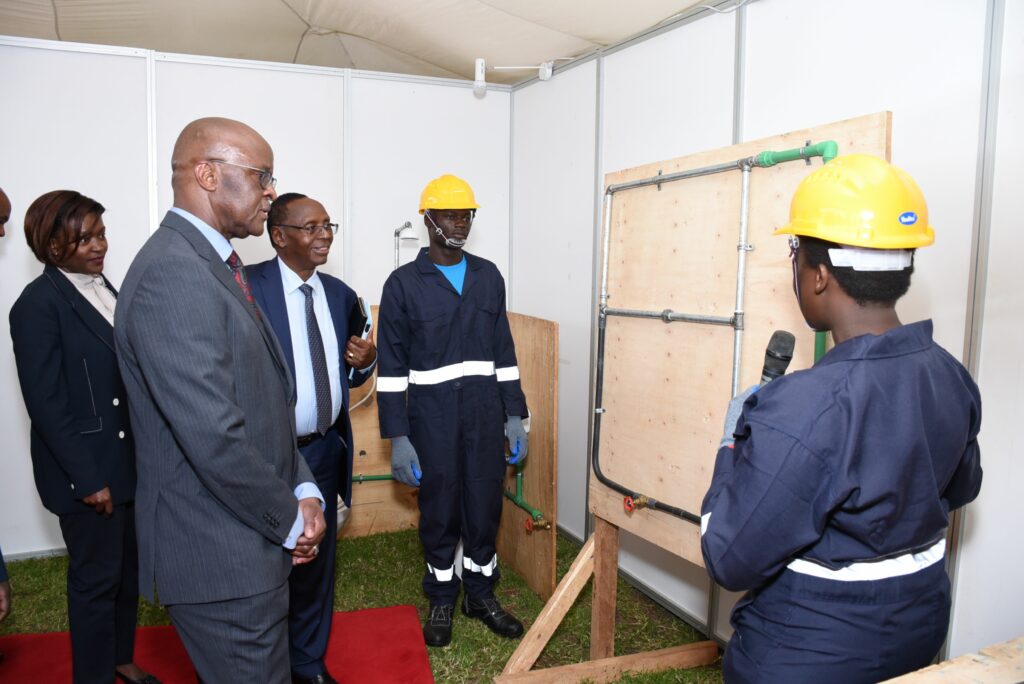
(832, 508)
(447, 377)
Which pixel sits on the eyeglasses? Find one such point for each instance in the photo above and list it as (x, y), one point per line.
(267, 179)
(331, 228)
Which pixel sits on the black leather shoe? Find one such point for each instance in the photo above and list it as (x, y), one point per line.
(437, 630)
(324, 678)
(494, 616)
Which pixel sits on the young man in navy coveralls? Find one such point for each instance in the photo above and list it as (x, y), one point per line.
(448, 392)
(833, 486)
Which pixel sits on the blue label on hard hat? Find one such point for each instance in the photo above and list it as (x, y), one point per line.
(908, 218)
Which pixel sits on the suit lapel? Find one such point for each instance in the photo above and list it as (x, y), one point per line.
(222, 273)
(276, 310)
(85, 311)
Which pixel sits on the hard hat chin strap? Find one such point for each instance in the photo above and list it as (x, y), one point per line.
(451, 244)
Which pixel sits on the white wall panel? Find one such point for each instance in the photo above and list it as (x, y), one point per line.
(70, 120)
(663, 98)
(403, 134)
(553, 158)
(670, 95)
(842, 60)
(989, 602)
(299, 112)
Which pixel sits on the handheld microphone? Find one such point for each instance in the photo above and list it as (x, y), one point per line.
(777, 355)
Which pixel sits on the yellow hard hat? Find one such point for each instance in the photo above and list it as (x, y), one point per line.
(447, 192)
(863, 201)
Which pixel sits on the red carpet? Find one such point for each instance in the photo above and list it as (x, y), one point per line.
(373, 645)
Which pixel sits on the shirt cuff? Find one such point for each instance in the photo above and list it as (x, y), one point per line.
(305, 490)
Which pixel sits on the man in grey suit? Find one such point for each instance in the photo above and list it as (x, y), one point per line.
(225, 504)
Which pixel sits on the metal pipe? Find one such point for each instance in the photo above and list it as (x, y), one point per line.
(827, 150)
(399, 237)
(742, 247)
(670, 316)
(607, 242)
(679, 175)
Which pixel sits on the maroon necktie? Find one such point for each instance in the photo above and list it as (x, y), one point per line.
(235, 264)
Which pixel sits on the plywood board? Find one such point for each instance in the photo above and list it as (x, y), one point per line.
(379, 506)
(667, 385)
(387, 506)
(999, 664)
(533, 555)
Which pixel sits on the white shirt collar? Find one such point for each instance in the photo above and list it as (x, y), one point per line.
(82, 279)
(291, 281)
(219, 242)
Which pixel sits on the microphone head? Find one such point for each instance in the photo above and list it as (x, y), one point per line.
(778, 354)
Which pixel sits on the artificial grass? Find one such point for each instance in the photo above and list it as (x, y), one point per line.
(385, 570)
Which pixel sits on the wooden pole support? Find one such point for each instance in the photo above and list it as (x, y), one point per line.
(602, 610)
(547, 622)
(611, 669)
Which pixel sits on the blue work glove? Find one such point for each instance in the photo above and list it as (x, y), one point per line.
(732, 415)
(518, 441)
(405, 466)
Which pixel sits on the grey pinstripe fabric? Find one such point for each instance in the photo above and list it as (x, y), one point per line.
(260, 654)
(211, 405)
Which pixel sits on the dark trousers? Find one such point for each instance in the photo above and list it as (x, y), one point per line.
(240, 640)
(311, 585)
(805, 629)
(103, 591)
(458, 431)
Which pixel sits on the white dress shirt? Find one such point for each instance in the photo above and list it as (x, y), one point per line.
(95, 292)
(305, 389)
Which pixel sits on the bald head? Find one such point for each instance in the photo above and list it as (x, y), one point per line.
(218, 166)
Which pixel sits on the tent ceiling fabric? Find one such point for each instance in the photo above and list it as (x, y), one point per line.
(421, 37)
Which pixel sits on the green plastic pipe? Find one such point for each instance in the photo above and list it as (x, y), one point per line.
(827, 150)
(359, 479)
(518, 499)
(819, 346)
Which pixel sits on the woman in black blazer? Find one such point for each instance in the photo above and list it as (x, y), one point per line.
(82, 452)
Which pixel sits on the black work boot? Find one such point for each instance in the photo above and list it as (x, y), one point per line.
(437, 630)
(494, 616)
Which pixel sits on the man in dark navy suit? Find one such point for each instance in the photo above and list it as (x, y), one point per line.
(310, 313)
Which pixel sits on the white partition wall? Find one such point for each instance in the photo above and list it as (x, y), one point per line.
(404, 133)
(553, 158)
(62, 126)
(298, 110)
(989, 598)
(933, 91)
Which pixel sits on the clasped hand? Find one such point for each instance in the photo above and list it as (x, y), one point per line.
(315, 526)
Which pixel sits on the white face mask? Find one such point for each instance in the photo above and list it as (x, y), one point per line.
(451, 244)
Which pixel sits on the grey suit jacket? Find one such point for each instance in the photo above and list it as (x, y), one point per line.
(211, 402)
